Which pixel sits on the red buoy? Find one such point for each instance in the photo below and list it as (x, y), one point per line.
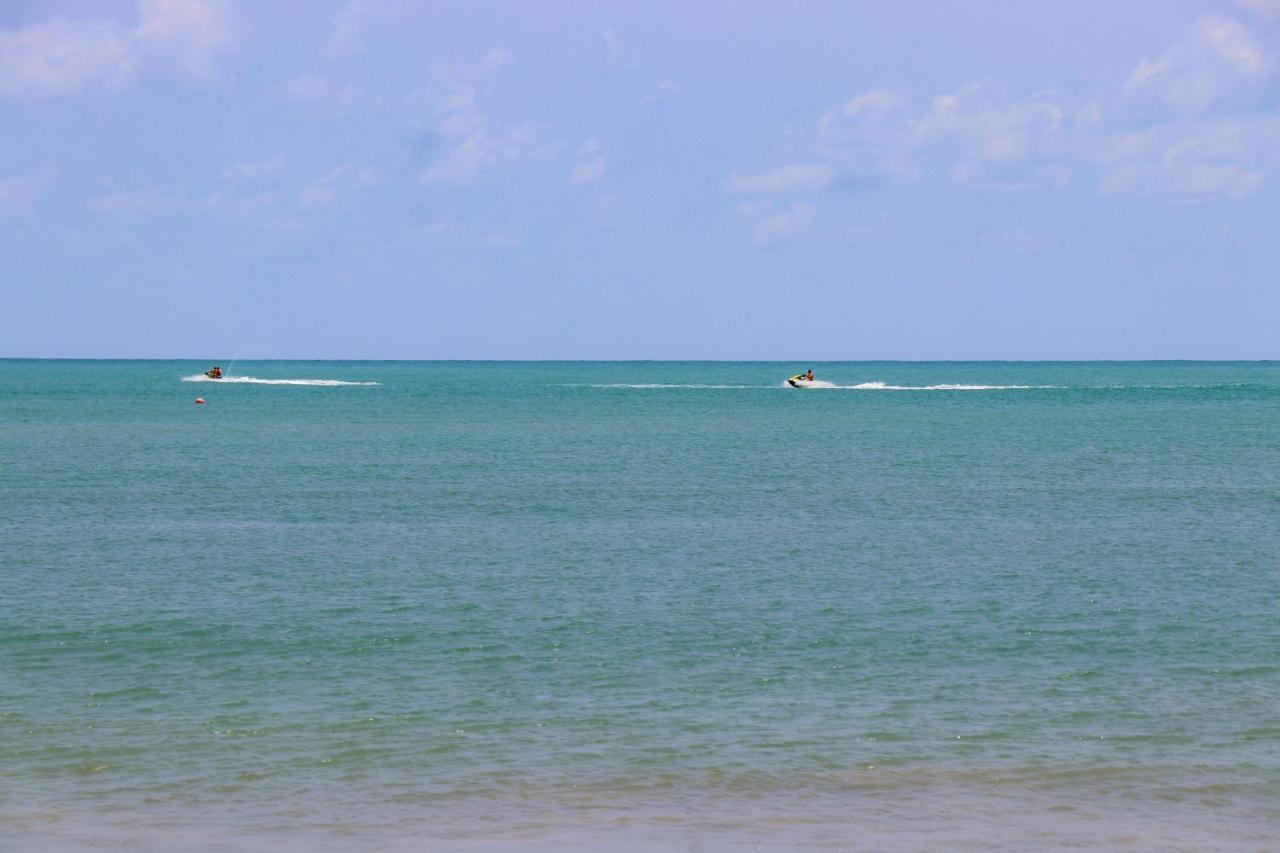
(199, 401)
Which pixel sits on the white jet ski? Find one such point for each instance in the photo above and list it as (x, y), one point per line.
(800, 380)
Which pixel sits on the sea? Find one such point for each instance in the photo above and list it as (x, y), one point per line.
(639, 605)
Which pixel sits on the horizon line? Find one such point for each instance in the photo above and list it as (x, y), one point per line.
(659, 360)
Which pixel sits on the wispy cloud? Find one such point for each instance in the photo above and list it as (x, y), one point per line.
(868, 227)
(475, 147)
(1222, 159)
(321, 96)
(1267, 9)
(62, 56)
(21, 192)
(1191, 125)
(591, 165)
(797, 178)
(667, 88)
(1219, 59)
(251, 205)
(972, 137)
(286, 204)
(140, 201)
(360, 20)
(766, 223)
(450, 231)
(326, 189)
(187, 34)
(259, 169)
(155, 201)
(1022, 239)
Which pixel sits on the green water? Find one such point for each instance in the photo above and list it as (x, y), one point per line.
(640, 604)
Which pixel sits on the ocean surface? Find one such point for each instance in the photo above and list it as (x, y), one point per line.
(639, 605)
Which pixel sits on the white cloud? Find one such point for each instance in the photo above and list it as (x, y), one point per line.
(188, 34)
(363, 178)
(317, 194)
(1022, 240)
(449, 76)
(591, 165)
(154, 201)
(436, 229)
(1267, 9)
(971, 137)
(450, 231)
(325, 189)
(359, 20)
(1236, 236)
(1191, 162)
(1217, 60)
(61, 57)
(325, 98)
(611, 46)
(140, 201)
(869, 135)
(21, 192)
(667, 88)
(240, 205)
(588, 172)
(797, 178)
(786, 223)
(508, 238)
(464, 162)
(465, 139)
(1193, 125)
(874, 227)
(1236, 45)
(767, 224)
(258, 169)
(474, 147)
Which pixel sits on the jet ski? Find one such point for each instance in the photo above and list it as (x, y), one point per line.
(800, 380)
(216, 373)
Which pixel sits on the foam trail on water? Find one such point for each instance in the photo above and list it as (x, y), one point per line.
(653, 385)
(883, 386)
(817, 383)
(253, 380)
(821, 384)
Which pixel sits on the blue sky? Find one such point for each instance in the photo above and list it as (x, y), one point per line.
(383, 179)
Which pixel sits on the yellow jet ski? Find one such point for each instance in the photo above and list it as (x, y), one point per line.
(216, 373)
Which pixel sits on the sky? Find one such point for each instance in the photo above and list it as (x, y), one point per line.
(960, 179)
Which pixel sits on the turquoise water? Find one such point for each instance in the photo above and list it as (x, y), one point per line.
(475, 605)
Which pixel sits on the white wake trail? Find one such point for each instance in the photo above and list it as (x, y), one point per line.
(253, 380)
(820, 384)
(651, 385)
(884, 386)
(881, 386)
